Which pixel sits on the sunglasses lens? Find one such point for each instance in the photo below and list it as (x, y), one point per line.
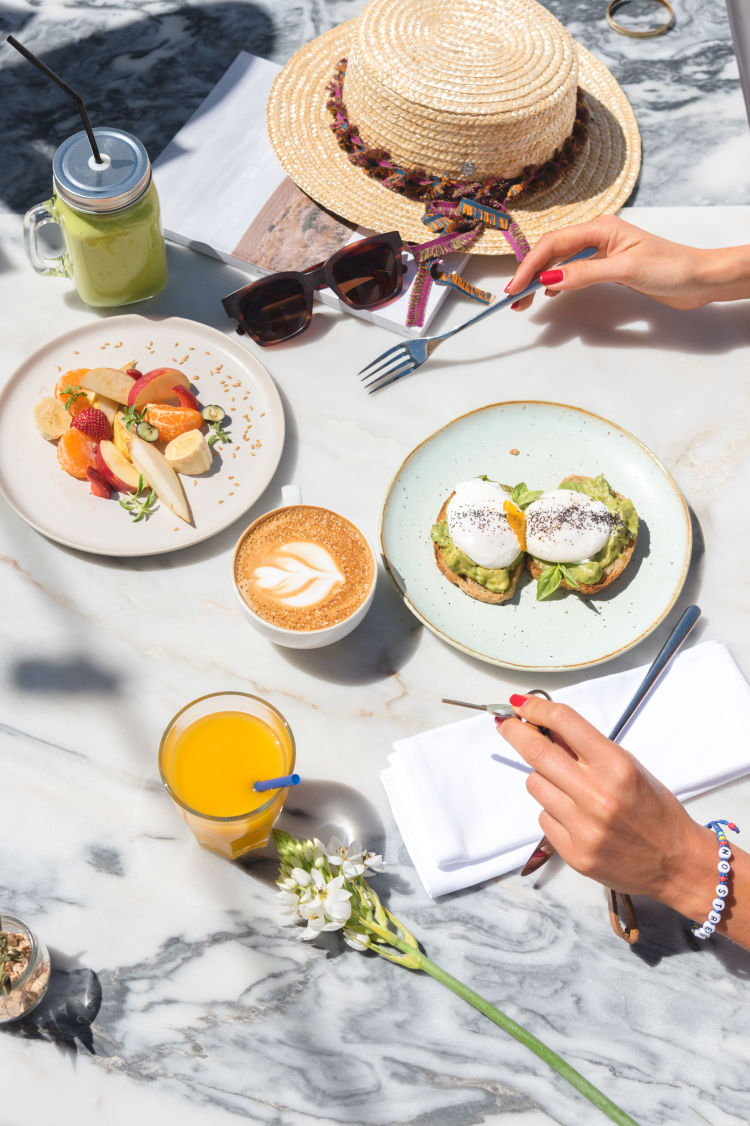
(368, 275)
(276, 310)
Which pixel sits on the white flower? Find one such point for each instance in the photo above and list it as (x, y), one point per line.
(301, 877)
(349, 857)
(373, 861)
(328, 898)
(288, 906)
(357, 941)
(287, 883)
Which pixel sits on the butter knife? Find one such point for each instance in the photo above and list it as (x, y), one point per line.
(545, 849)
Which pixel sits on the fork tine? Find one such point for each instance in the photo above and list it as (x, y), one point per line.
(391, 377)
(393, 361)
(387, 369)
(382, 356)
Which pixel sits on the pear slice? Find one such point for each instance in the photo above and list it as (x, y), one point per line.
(160, 475)
(110, 382)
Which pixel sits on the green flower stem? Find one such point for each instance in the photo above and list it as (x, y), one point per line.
(588, 1090)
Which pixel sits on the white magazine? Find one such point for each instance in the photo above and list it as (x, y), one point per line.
(223, 192)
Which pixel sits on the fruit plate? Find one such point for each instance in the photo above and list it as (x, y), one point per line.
(549, 441)
(220, 370)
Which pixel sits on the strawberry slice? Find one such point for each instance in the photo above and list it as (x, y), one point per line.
(187, 398)
(99, 486)
(93, 422)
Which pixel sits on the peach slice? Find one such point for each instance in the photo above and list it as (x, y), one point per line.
(110, 382)
(156, 386)
(160, 476)
(116, 469)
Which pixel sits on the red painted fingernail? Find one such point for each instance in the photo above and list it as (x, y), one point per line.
(518, 701)
(551, 277)
(499, 719)
(507, 288)
(515, 304)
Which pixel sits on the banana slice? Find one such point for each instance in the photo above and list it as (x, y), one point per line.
(51, 418)
(189, 453)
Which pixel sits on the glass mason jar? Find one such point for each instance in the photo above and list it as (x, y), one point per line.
(109, 219)
(29, 974)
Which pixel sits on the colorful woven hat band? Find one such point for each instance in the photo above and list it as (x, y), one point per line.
(456, 210)
(484, 200)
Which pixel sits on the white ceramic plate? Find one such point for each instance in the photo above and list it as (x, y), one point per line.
(222, 372)
(552, 441)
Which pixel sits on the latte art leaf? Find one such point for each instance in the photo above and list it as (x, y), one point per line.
(299, 574)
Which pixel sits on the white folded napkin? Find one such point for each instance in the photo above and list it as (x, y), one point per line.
(458, 792)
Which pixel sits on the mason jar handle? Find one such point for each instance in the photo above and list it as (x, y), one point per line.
(37, 217)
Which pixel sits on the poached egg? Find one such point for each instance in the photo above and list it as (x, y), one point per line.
(565, 526)
(478, 523)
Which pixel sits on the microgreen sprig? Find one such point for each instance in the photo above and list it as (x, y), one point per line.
(139, 507)
(131, 417)
(216, 434)
(72, 395)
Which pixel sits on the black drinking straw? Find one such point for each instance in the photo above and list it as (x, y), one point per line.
(27, 54)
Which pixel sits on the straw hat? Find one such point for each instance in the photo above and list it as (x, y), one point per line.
(484, 88)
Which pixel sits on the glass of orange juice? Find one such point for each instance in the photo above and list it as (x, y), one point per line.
(212, 753)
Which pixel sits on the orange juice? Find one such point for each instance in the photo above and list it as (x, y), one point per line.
(210, 757)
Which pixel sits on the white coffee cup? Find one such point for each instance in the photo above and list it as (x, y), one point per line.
(303, 638)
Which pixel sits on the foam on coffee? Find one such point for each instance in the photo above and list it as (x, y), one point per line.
(304, 568)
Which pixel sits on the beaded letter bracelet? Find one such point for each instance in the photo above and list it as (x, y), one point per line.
(705, 930)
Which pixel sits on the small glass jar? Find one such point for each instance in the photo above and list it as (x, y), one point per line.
(27, 987)
(109, 219)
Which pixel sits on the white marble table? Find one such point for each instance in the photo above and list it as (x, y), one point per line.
(209, 1012)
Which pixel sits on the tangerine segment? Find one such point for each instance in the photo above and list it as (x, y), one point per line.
(517, 522)
(71, 380)
(172, 421)
(76, 452)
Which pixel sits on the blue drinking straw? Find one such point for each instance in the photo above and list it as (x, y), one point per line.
(277, 783)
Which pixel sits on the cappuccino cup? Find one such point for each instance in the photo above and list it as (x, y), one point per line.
(304, 574)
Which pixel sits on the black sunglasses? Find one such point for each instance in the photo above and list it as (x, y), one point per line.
(278, 307)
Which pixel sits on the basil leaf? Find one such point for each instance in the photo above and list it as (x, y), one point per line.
(523, 496)
(568, 577)
(548, 581)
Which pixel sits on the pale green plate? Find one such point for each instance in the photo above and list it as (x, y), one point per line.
(553, 441)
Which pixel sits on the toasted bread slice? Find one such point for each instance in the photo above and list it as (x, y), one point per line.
(471, 586)
(609, 574)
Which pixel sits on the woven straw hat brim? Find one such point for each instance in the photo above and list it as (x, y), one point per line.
(598, 183)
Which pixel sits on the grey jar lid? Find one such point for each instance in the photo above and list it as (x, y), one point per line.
(121, 178)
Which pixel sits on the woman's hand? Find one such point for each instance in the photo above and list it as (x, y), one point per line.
(676, 275)
(605, 814)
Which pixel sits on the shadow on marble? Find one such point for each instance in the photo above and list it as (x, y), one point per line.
(665, 934)
(68, 1010)
(74, 675)
(376, 649)
(147, 75)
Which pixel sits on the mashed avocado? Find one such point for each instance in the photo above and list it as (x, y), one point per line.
(624, 529)
(496, 580)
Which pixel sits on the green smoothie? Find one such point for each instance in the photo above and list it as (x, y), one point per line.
(116, 257)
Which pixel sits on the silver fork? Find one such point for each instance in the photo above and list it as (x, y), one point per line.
(405, 358)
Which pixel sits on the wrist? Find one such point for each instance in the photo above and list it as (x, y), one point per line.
(690, 886)
(725, 273)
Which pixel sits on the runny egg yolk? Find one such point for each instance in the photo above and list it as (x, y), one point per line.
(517, 522)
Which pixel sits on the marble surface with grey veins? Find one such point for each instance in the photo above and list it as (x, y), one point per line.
(176, 995)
